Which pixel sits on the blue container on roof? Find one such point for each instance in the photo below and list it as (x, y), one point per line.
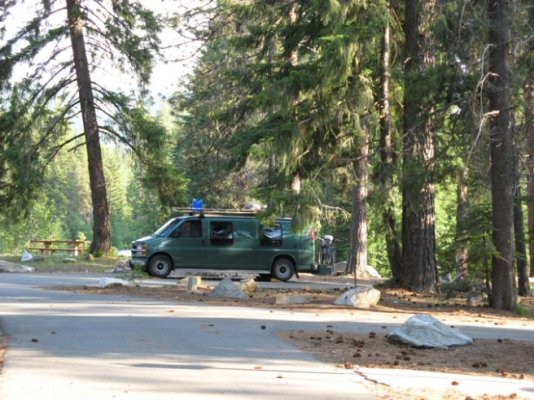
(197, 205)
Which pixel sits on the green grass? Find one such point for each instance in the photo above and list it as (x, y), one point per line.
(524, 311)
(56, 263)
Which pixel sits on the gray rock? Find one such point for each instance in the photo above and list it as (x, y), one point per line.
(367, 273)
(120, 266)
(360, 297)
(6, 266)
(371, 272)
(113, 282)
(289, 299)
(427, 332)
(227, 289)
(69, 260)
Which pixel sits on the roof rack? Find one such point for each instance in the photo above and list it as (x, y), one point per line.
(219, 211)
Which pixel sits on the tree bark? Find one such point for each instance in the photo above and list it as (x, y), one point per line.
(503, 291)
(358, 233)
(386, 157)
(418, 215)
(523, 284)
(462, 253)
(101, 220)
(529, 134)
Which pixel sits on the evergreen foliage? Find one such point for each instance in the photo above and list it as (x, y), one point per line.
(284, 99)
(39, 73)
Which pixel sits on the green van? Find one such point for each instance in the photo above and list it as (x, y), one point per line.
(219, 242)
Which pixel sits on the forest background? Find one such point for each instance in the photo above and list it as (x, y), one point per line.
(403, 128)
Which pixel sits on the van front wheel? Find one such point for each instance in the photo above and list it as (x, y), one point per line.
(283, 269)
(160, 266)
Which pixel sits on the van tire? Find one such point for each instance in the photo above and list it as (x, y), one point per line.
(160, 266)
(283, 269)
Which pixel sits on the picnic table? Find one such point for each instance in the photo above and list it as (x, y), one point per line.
(49, 246)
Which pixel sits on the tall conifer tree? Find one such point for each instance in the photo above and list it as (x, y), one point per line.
(102, 35)
(418, 225)
(503, 288)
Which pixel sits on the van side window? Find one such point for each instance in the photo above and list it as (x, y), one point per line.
(190, 229)
(271, 236)
(221, 233)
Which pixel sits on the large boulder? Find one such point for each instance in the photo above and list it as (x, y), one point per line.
(427, 332)
(227, 289)
(359, 297)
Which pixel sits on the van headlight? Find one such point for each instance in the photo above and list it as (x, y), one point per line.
(139, 249)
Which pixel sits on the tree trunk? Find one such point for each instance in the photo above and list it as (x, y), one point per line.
(462, 253)
(358, 233)
(529, 134)
(523, 284)
(418, 216)
(503, 293)
(101, 220)
(386, 158)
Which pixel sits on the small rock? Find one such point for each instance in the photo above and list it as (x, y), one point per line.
(227, 289)
(292, 299)
(112, 282)
(360, 297)
(193, 283)
(120, 266)
(249, 286)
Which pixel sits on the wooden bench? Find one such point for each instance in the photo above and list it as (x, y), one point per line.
(47, 247)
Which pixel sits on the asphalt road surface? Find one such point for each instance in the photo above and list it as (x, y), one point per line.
(64, 345)
(70, 346)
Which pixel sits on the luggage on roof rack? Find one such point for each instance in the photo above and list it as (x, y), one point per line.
(221, 211)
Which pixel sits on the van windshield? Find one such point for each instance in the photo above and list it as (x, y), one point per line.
(167, 226)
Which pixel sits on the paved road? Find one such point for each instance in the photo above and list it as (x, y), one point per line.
(74, 346)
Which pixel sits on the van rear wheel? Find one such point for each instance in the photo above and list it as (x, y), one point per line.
(160, 266)
(283, 269)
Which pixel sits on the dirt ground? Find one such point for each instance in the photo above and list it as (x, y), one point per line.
(501, 358)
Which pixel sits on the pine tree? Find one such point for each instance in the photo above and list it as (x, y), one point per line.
(419, 271)
(100, 35)
(503, 291)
